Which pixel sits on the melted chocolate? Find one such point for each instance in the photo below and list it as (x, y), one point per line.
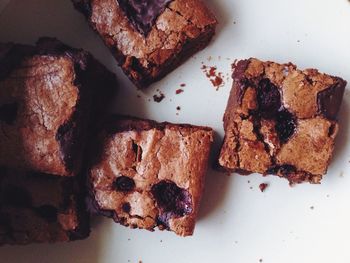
(143, 13)
(329, 100)
(285, 125)
(172, 199)
(124, 184)
(269, 99)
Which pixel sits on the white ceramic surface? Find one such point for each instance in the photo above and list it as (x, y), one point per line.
(237, 223)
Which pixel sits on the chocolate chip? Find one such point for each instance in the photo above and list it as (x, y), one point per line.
(143, 14)
(15, 196)
(329, 100)
(8, 112)
(48, 212)
(285, 125)
(124, 184)
(126, 207)
(269, 98)
(171, 198)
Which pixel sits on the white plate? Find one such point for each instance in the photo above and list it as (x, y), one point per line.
(237, 223)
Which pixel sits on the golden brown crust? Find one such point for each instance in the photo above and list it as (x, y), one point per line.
(163, 154)
(281, 120)
(182, 29)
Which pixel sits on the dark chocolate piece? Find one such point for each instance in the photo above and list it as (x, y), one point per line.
(143, 14)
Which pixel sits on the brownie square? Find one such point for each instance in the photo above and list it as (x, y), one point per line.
(150, 38)
(38, 208)
(149, 174)
(281, 120)
(47, 95)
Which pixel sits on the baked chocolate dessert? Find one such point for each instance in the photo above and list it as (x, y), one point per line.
(281, 120)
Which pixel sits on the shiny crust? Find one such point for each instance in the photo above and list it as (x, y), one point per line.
(181, 30)
(252, 142)
(51, 87)
(148, 152)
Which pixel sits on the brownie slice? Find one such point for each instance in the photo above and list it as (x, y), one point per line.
(150, 38)
(47, 94)
(281, 120)
(37, 208)
(149, 174)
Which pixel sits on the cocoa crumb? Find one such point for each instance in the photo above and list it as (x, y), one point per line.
(178, 108)
(182, 85)
(178, 91)
(216, 78)
(158, 97)
(260, 260)
(263, 186)
(312, 207)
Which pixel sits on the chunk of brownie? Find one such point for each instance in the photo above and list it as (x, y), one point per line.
(281, 120)
(150, 38)
(47, 93)
(40, 208)
(150, 174)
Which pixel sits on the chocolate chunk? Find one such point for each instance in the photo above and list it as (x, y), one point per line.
(240, 81)
(48, 212)
(285, 125)
(8, 112)
(126, 207)
(143, 14)
(124, 184)
(329, 100)
(171, 198)
(269, 98)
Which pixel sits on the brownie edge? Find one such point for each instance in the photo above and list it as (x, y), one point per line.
(281, 120)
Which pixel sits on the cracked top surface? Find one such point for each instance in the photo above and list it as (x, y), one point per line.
(38, 208)
(151, 174)
(142, 56)
(281, 120)
(44, 104)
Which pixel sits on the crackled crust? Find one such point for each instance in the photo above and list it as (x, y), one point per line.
(45, 103)
(149, 153)
(252, 140)
(185, 27)
(37, 208)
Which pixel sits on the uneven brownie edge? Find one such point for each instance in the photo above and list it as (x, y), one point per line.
(143, 77)
(117, 124)
(71, 198)
(328, 105)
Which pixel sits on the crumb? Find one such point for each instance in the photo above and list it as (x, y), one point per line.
(263, 186)
(327, 195)
(234, 22)
(158, 97)
(161, 241)
(216, 78)
(177, 113)
(209, 58)
(219, 57)
(129, 239)
(298, 41)
(248, 182)
(182, 85)
(178, 91)
(236, 242)
(140, 261)
(178, 108)
(138, 95)
(149, 99)
(260, 260)
(312, 207)
(251, 187)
